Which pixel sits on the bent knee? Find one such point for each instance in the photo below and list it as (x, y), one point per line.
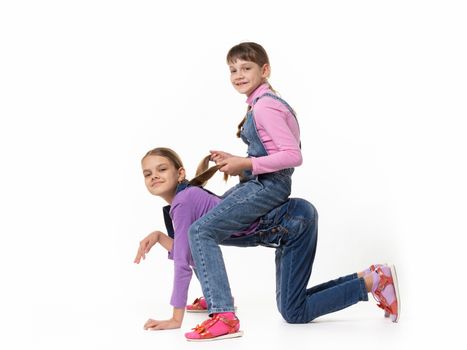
(303, 209)
(293, 318)
(194, 229)
(199, 230)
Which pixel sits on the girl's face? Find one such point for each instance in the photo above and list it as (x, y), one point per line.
(161, 177)
(246, 76)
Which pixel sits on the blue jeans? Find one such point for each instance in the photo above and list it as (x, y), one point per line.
(247, 202)
(292, 230)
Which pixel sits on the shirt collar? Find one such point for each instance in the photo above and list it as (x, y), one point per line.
(166, 210)
(260, 90)
(181, 186)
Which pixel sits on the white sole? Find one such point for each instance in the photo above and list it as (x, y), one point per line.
(197, 311)
(227, 336)
(396, 288)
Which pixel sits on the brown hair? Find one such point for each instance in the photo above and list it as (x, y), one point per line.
(166, 153)
(203, 172)
(248, 51)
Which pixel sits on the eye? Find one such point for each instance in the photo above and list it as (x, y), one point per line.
(147, 174)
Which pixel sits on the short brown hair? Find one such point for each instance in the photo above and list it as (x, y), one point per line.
(248, 51)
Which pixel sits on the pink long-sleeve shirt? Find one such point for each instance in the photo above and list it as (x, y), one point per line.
(278, 130)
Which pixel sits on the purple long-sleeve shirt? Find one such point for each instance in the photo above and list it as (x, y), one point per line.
(278, 130)
(187, 207)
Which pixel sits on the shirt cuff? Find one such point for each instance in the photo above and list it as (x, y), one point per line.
(254, 166)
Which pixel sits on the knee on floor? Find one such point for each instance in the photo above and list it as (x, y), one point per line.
(293, 317)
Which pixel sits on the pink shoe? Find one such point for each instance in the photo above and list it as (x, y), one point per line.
(386, 291)
(371, 269)
(199, 305)
(219, 326)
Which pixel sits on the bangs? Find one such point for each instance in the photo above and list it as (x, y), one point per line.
(241, 53)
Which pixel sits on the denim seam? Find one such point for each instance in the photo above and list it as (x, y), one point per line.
(289, 274)
(203, 264)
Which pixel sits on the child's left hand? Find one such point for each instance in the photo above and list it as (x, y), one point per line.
(153, 325)
(219, 156)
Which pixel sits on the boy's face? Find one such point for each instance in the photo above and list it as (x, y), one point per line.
(246, 76)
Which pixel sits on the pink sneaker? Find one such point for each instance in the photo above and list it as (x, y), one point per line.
(219, 326)
(199, 305)
(386, 291)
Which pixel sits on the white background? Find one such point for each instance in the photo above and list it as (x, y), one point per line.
(87, 87)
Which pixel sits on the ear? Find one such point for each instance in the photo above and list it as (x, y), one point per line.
(266, 71)
(181, 174)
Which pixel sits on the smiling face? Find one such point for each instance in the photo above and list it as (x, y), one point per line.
(246, 76)
(161, 176)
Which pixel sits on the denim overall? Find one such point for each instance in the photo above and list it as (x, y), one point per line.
(249, 135)
(244, 204)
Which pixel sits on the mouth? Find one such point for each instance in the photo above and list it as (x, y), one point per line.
(241, 83)
(154, 184)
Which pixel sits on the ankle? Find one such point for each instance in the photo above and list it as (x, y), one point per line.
(368, 282)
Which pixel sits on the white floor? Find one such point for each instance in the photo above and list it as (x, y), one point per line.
(105, 308)
(105, 327)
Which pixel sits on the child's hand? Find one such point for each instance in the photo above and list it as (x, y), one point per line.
(145, 245)
(154, 325)
(218, 156)
(235, 165)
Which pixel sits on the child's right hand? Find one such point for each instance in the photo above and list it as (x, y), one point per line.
(145, 245)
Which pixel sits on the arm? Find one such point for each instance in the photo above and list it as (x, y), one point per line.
(147, 243)
(280, 134)
(174, 322)
(145, 246)
(186, 209)
(183, 214)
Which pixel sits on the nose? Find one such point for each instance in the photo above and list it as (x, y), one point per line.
(237, 75)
